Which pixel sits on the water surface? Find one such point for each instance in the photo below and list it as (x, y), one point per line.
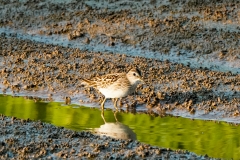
(216, 139)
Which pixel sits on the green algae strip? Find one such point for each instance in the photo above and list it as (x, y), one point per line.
(219, 140)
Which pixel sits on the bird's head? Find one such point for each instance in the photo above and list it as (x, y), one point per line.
(134, 76)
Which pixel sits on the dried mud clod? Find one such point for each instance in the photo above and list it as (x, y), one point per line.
(200, 27)
(169, 86)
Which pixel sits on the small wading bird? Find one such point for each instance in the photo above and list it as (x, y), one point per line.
(116, 85)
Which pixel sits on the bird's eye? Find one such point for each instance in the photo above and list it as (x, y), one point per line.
(134, 74)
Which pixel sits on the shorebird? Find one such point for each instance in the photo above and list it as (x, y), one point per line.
(116, 85)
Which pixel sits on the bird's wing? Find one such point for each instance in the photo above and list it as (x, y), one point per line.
(103, 81)
(108, 79)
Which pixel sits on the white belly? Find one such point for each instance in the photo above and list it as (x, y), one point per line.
(114, 93)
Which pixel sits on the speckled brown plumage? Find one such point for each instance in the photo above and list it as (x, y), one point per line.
(115, 85)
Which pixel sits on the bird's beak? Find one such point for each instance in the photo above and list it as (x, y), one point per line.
(141, 79)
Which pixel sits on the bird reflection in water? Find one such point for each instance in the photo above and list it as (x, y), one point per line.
(115, 129)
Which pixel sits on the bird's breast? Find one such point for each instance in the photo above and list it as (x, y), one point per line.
(116, 91)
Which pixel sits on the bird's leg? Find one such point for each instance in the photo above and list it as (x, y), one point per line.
(115, 116)
(102, 114)
(115, 103)
(102, 104)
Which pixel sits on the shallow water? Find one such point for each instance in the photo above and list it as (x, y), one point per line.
(220, 140)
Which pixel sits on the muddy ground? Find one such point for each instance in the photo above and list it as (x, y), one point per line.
(188, 52)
